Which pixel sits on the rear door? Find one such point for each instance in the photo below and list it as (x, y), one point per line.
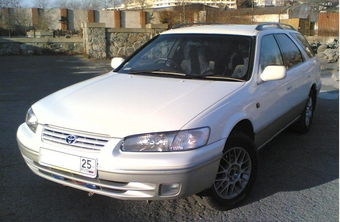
(279, 101)
(299, 70)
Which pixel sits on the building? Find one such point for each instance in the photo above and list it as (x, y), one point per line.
(213, 3)
(227, 4)
(268, 3)
(159, 4)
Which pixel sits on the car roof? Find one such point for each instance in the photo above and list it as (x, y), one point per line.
(231, 29)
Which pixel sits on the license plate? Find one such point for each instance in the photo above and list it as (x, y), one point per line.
(71, 163)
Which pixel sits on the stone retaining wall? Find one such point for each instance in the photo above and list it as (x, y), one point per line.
(97, 42)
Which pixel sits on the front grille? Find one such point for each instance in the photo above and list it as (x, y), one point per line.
(83, 140)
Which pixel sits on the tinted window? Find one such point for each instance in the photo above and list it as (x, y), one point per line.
(304, 43)
(193, 56)
(270, 53)
(290, 52)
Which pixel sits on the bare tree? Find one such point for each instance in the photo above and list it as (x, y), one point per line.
(136, 4)
(143, 4)
(113, 4)
(7, 22)
(10, 3)
(61, 3)
(127, 3)
(22, 20)
(42, 4)
(81, 4)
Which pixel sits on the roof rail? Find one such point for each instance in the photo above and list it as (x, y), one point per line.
(194, 24)
(277, 25)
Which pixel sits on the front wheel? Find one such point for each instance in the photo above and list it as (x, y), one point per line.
(235, 176)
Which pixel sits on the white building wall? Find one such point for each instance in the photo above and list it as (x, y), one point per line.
(264, 3)
(266, 18)
(212, 3)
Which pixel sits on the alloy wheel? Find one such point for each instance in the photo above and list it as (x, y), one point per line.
(234, 173)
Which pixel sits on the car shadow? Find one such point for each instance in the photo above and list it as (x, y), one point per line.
(295, 162)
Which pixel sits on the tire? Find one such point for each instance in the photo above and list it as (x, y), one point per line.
(304, 123)
(236, 174)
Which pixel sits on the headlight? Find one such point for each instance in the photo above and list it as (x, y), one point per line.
(31, 120)
(167, 141)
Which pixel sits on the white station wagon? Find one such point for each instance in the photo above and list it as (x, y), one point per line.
(184, 115)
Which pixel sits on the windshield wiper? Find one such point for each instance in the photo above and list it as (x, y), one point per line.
(191, 76)
(156, 71)
(187, 76)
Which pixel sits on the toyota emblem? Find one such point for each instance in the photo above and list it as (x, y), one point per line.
(70, 139)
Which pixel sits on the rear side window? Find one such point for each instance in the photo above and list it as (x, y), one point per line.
(290, 52)
(304, 44)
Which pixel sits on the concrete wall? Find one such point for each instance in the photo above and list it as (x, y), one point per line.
(79, 17)
(126, 19)
(54, 16)
(107, 17)
(130, 19)
(24, 16)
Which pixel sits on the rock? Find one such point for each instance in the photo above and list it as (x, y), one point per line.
(322, 47)
(328, 50)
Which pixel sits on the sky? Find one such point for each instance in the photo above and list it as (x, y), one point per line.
(27, 3)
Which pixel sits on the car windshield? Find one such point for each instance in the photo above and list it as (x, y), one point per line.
(193, 56)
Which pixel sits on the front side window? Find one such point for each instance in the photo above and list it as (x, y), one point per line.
(188, 55)
(270, 53)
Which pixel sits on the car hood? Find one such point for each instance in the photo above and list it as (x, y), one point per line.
(120, 104)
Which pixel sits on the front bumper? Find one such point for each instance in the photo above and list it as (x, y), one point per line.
(130, 184)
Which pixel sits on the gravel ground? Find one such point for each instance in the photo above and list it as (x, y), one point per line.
(298, 175)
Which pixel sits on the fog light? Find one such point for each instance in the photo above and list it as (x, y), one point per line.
(169, 189)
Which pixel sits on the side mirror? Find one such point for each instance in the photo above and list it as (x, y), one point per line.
(271, 73)
(116, 61)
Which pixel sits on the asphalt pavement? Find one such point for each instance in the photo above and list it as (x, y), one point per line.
(298, 176)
